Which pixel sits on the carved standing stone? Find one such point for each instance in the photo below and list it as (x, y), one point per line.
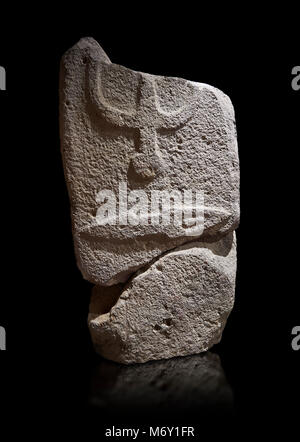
(132, 144)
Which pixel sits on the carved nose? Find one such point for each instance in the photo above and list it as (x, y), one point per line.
(148, 162)
(147, 166)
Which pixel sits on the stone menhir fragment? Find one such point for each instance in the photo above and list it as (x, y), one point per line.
(177, 306)
(134, 146)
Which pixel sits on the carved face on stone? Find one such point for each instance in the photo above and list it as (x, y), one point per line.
(127, 134)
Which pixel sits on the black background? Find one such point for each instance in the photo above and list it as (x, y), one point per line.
(49, 353)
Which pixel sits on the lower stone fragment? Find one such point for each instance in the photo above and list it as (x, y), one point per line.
(176, 306)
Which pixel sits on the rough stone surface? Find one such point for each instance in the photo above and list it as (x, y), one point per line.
(152, 132)
(177, 306)
(160, 291)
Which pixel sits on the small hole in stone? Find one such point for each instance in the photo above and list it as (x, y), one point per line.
(67, 103)
(159, 267)
(156, 327)
(168, 321)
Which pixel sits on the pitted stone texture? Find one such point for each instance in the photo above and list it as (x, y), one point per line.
(153, 132)
(177, 306)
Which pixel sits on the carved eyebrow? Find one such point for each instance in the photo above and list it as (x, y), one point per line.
(147, 88)
(96, 90)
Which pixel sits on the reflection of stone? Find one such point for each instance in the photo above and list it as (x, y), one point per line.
(191, 383)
